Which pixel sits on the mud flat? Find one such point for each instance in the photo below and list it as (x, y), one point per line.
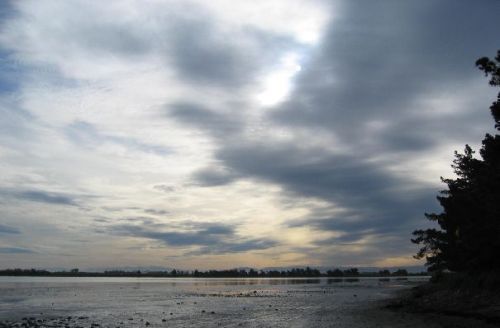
(129, 302)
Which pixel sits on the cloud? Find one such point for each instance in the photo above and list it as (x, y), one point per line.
(16, 250)
(366, 90)
(87, 135)
(208, 120)
(165, 188)
(41, 196)
(212, 177)
(369, 196)
(235, 247)
(154, 211)
(8, 230)
(203, 235)
(202, 55)
(366, 70)
(210, 238)
(102, 220)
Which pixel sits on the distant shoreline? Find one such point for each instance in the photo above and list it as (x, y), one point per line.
(294, 273)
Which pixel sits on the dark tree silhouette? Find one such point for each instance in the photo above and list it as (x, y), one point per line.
(400, 273)
(335, 273)
(469, 238)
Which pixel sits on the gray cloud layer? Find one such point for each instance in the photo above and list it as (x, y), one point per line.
(380, 57)
(8, 230)
(40, 196)
(16, 250)
(210, 238)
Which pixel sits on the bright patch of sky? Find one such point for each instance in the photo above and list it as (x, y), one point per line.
(277, 83)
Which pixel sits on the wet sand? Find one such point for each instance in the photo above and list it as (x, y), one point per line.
(211, 303)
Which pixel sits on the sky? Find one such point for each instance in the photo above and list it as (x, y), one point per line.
(219, 134)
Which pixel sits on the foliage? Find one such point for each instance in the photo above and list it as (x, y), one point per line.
(469, 238)
(400, 273)
(232, 273)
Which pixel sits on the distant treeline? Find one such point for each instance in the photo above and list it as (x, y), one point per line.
(234, 273)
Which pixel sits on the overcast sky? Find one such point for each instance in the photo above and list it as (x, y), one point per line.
(222, 133)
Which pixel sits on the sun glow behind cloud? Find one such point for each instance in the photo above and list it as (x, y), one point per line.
(278, 83)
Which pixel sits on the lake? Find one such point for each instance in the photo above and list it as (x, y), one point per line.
(198, 302)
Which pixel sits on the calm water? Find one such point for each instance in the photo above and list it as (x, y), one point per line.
(191, 302)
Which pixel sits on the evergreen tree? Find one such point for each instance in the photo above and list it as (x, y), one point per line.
(469, 238)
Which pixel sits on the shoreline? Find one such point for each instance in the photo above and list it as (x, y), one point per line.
(463, 308)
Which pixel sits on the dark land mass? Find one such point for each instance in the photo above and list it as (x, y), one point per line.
(234, 273)
(465, 296)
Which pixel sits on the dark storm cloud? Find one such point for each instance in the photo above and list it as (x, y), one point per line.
(8, 230)
(379, 57)
(209, 237)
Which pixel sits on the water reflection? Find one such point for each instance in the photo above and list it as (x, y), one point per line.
(9, 282)
(338, 280)
(265, 281)
(334, 280)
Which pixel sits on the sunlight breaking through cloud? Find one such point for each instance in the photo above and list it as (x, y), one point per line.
(278, 83)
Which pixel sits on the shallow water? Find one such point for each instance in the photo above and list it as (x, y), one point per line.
(192, 302)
